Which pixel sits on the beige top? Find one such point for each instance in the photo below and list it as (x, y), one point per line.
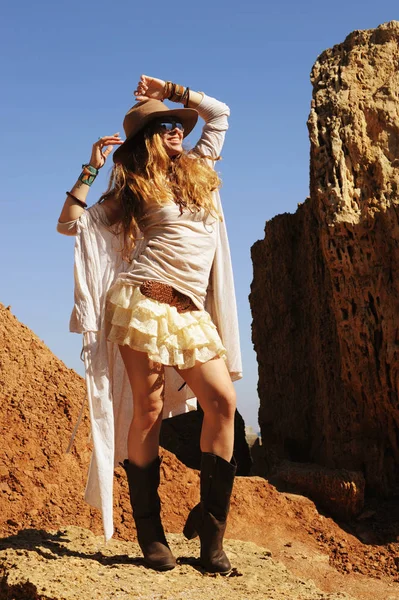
(179, 248)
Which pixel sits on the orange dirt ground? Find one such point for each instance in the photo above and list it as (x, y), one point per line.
(42, 487)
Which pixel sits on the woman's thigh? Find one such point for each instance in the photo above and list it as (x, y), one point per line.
(147, 380)
(212, 385)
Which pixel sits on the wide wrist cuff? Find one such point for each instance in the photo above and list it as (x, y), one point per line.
(88, 174)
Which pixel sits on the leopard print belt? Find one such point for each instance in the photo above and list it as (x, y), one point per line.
(167, 294)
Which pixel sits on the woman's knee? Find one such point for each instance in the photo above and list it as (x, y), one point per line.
(147, 411)
(221, 404)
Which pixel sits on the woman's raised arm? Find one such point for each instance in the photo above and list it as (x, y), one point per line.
(75, 202)
(213, 111)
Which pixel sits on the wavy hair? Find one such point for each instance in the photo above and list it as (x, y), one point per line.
(149, 175)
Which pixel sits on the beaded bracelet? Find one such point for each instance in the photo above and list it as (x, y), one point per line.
(88, 174)
(80, 202)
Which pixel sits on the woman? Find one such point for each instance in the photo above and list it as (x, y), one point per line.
(159, 225)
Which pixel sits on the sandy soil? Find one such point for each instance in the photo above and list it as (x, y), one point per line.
(73, 564)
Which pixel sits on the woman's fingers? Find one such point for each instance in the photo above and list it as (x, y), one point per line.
(108, 139)
(102, 148)
(143, 82)
(107, 151)
(149, 87)
(140, 90)
(105, 138)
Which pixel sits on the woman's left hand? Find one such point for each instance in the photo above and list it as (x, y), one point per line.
(149, 87)
(103, 148)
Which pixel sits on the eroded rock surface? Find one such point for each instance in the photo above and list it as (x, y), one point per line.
(338, 491)
(325, 295)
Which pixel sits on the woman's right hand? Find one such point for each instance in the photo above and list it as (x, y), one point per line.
(103, 148)
(149, 87)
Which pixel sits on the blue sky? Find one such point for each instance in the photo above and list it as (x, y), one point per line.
(68, 71)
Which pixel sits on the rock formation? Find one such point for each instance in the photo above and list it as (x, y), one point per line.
(325, 294)
(40, 400)
(338, 491)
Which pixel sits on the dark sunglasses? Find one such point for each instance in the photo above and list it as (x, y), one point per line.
(169, 125)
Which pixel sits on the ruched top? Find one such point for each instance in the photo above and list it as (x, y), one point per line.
(179, 248)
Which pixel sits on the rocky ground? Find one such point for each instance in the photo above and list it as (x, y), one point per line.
(73, 564)
(281, 546)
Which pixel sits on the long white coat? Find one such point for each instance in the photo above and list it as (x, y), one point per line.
(97, 264)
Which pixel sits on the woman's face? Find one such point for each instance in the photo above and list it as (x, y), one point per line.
(171, 132)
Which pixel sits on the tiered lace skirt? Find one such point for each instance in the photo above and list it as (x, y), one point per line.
(167, 336)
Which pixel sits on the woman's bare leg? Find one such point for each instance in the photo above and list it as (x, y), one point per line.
(142, 467)
(147, 381)
(215, 392)
(212, 385)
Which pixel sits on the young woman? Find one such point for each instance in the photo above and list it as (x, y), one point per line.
(148, 258)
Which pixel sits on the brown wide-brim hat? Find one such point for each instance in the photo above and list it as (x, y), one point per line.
(143, 113)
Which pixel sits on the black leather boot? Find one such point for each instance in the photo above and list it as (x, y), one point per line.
(208, 518)
(146, 505)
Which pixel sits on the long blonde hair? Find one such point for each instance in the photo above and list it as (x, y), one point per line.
(149, 175)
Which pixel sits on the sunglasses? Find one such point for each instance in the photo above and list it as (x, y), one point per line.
(169, 125)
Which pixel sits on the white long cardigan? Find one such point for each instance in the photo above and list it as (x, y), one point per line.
(97, 264)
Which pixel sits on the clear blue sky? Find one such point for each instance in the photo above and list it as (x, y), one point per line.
(68, 70)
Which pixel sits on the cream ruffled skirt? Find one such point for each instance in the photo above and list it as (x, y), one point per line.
(168, 337)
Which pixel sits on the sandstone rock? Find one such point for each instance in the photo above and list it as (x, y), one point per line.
(338, 491)
(325, 294)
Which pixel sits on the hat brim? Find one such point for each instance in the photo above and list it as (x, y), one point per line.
(187, 116)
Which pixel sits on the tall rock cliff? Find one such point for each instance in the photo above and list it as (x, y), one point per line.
(325, 294)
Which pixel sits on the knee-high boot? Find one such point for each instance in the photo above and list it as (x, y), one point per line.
(146, 505)
(208, 518)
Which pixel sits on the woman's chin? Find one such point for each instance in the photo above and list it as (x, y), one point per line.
(172, 152)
